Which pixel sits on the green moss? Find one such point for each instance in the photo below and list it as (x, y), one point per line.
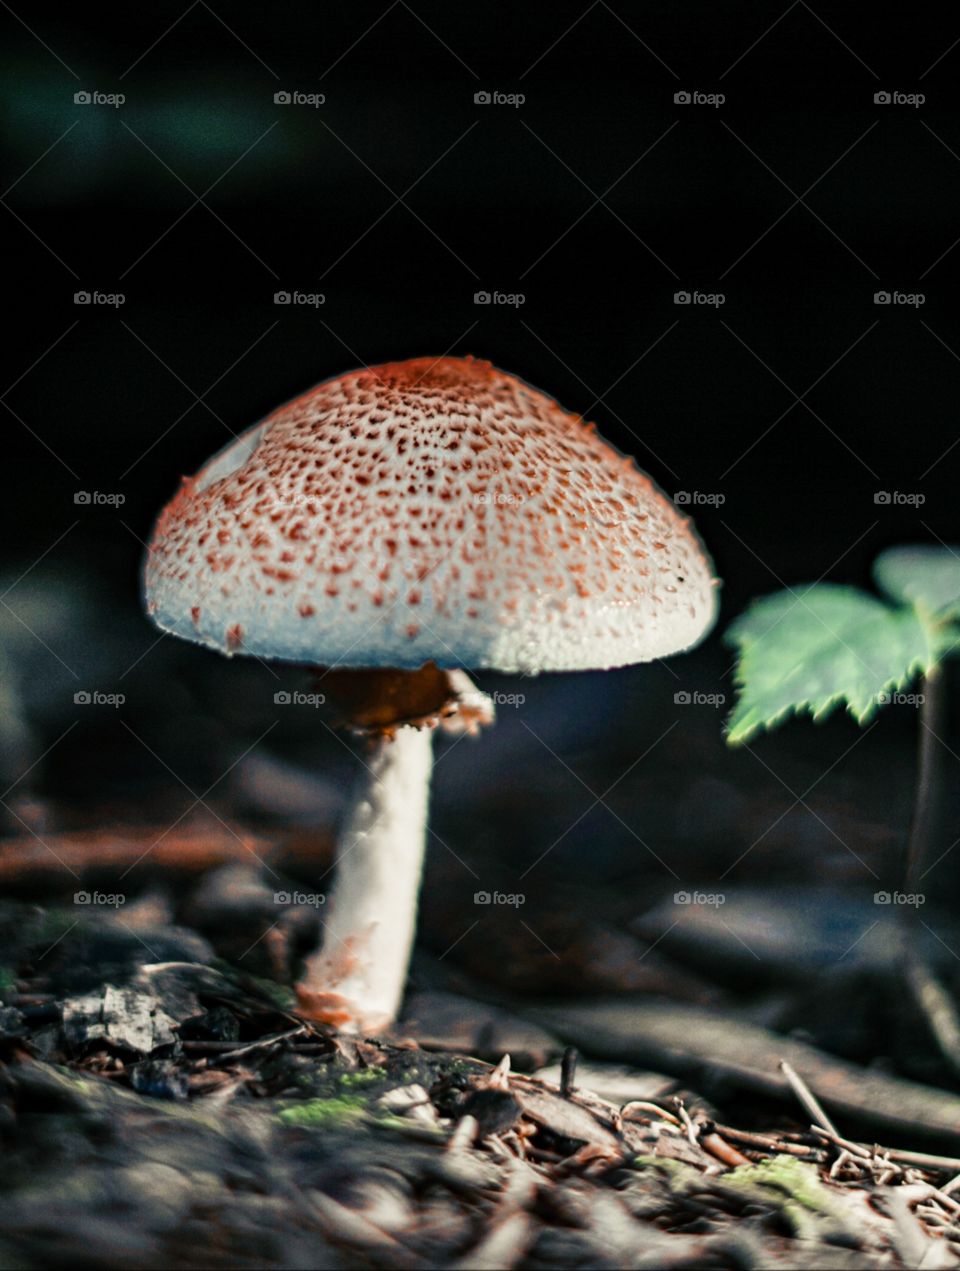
(797, 1180)
(795, 1187)
(7, 979)
(325, 1113)
(403, 1125)
(365, 1077)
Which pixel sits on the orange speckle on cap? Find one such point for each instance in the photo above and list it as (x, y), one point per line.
(531, 529)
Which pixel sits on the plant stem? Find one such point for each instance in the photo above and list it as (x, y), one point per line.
(925, 796)
(932, 998)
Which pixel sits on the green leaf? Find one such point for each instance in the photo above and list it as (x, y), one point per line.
(817, 647)
(926, 576)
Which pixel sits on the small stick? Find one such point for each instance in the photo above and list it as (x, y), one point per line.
(808, 1100)
(937, 1006)
(765, 1142)
(499, 1077)
(260, 1045)
(688, 1125)
(568, 1071)
(856, 1149)
(946, 1201)
(648, 1109)
(212, 1046)
(843, 1156)
(718, 1147)
(921, 1160)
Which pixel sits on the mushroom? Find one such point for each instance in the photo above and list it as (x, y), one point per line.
(396, 525)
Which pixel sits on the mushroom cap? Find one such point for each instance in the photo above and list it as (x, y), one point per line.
(435, 509)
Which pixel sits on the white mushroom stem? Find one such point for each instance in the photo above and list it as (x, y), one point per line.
(357, 977)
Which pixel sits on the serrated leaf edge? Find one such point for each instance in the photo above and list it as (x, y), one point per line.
(933, 630)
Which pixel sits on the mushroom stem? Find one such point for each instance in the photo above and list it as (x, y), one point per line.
(356, 979)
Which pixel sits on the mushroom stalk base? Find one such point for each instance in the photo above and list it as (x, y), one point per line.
(356, 980)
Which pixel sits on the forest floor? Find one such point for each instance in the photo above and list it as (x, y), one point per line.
(162, 1106)
(159, 1108)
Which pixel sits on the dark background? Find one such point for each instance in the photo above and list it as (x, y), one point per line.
(297, 196)
(598, 199)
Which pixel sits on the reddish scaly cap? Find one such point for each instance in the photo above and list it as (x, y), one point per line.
(432, 509)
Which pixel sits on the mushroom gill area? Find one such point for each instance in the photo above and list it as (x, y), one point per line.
(375, 702)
